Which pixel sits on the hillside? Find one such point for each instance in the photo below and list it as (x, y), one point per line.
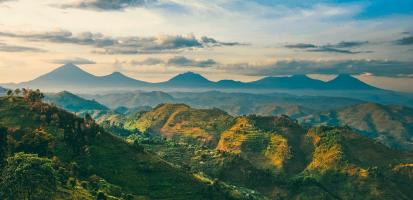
(388, 124)
(170, 120)
(133, 99)
(94, 160)
(278, 158)
(73, 103)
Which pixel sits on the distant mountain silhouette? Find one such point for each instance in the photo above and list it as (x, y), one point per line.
(71, 77)
(348, 82)
(293, 82)
(188, 79)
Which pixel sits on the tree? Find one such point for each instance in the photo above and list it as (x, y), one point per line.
(32, 95)
(27, 176)
(17, 91)
(9, 92)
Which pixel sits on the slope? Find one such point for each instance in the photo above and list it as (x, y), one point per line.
(73, 103)
(85, 151)
(388, 124)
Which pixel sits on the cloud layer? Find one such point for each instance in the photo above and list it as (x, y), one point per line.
(405, 40)
(344, 47)
(76, 61)
(178, 61)
(124, 45)
(108, 5)
(16, 48)
(294, 67)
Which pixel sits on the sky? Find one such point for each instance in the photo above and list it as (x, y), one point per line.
(153, 40)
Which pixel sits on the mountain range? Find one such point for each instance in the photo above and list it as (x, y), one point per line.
(71, 77)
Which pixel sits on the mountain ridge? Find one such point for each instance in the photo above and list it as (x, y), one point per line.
(70, 76)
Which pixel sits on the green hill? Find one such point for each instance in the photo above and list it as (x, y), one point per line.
(280, 159)
(388, 124)
(87, 160)
(183, 122)
(73, 103)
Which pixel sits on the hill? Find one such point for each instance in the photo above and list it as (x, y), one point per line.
(171, 120)
(276, 156)
(73, 103)
(133, 99)
(388, 124)
(87, 161)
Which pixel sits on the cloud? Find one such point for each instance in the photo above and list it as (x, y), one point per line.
(124, 45)
(405, 41)
(347, 44)
(108, 5)
(15, 48)
(148, 61)
(341, 47)
(334, 50)
(301, 46)
(389, 68)
(178, 61)
(186, 62)
(76, 61)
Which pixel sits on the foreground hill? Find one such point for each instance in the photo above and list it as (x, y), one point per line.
(93, 161)
(73, 103)
(275, 155)
(388, 124)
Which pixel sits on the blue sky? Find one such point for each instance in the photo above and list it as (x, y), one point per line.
(154, 40)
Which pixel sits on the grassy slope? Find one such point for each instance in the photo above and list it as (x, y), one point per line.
(391, 125)
(109, 157)
(326, 163)
(178, 119)
(73, 103)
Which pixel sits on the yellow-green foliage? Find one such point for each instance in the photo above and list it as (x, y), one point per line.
(264, 149)
(328, 152)
(178, 120)
(278, 150)
(86, 149)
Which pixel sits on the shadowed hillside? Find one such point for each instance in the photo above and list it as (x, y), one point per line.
(94, 160)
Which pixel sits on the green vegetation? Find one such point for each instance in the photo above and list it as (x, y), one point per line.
(178, 152)
(73, 103)
(87, 160)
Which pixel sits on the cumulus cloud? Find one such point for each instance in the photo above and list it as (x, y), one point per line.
(178, 61)
(293, 67)
(108, 5)
(76, 61)
(15, 48)
(343, 47)
(123, 45)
